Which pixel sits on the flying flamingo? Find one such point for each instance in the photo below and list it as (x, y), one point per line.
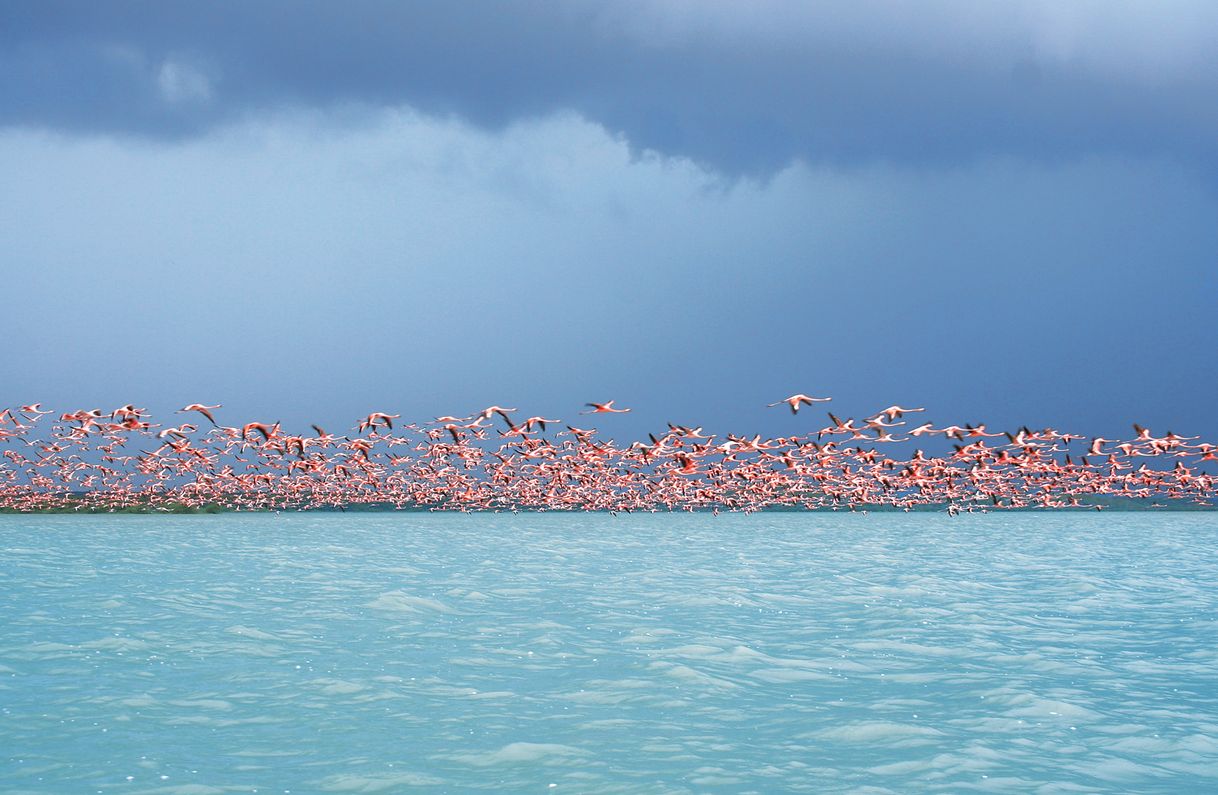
(795, 401)
(377, 419)
(500, 410)
(204, 410)
(895, 412)
(604, 408)
(79, 465)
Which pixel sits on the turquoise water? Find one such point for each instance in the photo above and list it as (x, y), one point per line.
(1071, 652)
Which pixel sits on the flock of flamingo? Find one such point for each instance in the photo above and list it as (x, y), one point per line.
(90, 460)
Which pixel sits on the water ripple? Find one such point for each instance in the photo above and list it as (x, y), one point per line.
(1051, 653)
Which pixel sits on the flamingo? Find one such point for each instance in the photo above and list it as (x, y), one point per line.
(896, 412)
(202, 409)
(795, 401)
(79, 464)
(377, 419)
(604, 408)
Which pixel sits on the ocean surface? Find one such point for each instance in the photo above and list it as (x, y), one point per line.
(819, 652)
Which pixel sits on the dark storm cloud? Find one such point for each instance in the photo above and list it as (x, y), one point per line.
(741, 87)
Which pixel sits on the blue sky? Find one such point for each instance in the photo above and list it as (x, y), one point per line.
(1008, 214)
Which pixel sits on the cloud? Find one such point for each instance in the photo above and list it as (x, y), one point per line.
(311, 267)
(742, 88)
(180, 83)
